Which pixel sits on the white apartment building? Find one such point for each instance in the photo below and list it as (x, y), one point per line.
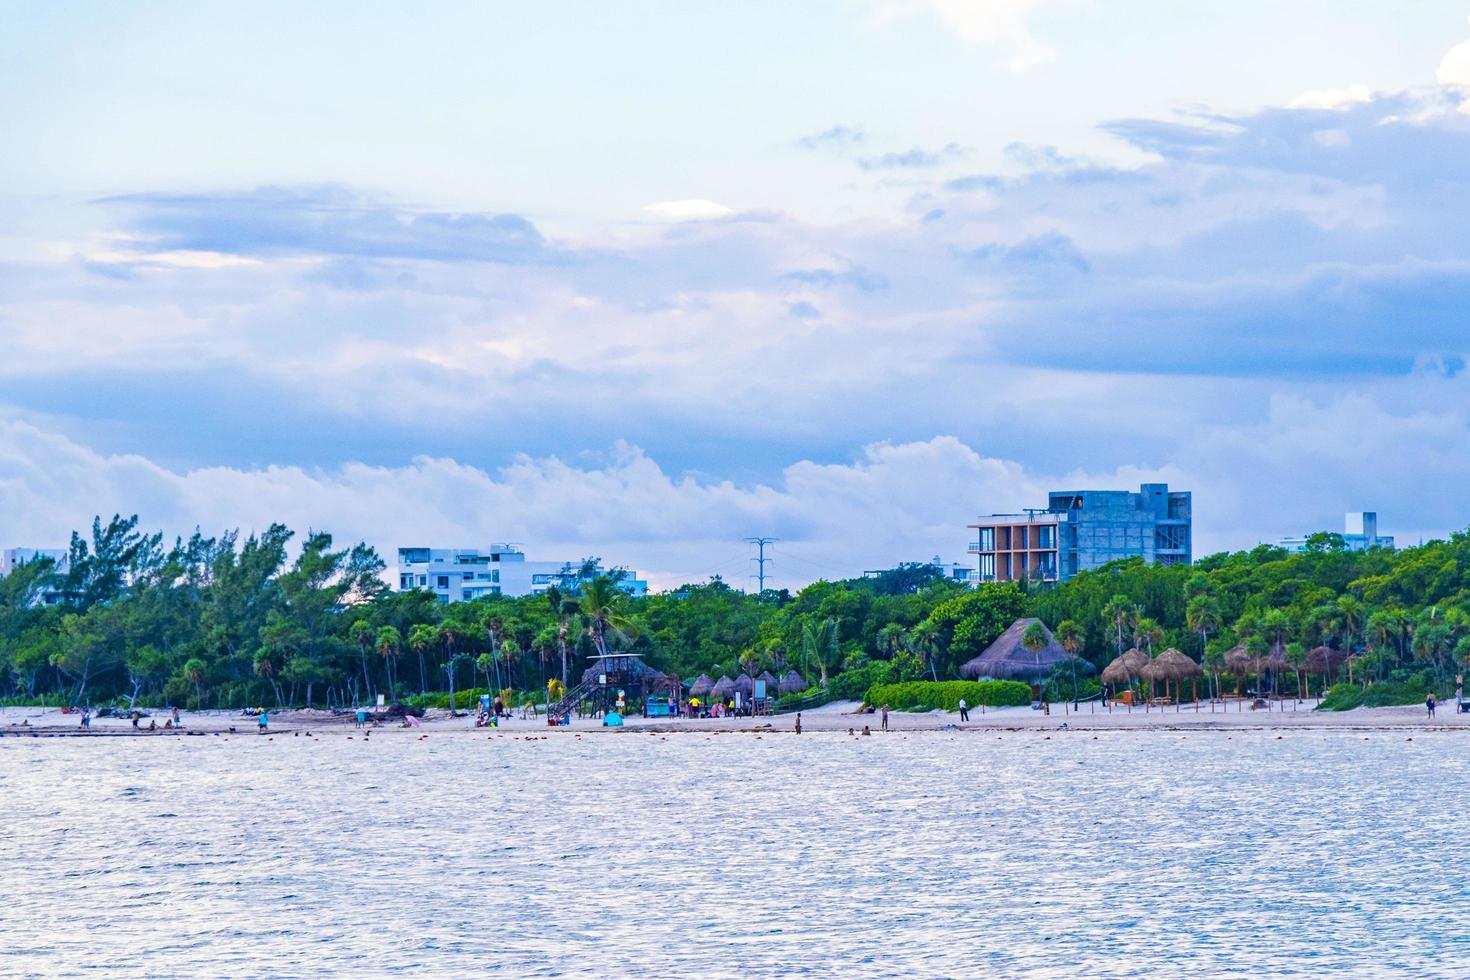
(13, 558)
(1359, 533)
(464, 574)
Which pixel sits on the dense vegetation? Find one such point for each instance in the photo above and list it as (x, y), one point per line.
(219, 622)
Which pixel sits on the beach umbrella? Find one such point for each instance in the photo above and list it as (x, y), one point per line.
(1171, 666)
(793, 683)
(745, 686)
(1125, 668)
(1008, 659)
(700, 686)
(723, 688)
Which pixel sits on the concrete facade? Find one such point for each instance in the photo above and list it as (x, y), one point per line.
(1080, 530)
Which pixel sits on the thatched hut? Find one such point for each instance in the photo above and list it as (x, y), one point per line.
(793, 683)
(700, 686)
(1125, 668)
(773, 686)
(1240, 661)
(745, 686)
(1171, 666)
(1008, 659)
(1325, 660)
(722, 689)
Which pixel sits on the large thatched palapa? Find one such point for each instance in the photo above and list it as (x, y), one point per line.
(773, 686)
(724, 688)
(745, 686)
(1240, 661)
(1325, 660)
(1008, 659)
(700, 687)
(1171, 665)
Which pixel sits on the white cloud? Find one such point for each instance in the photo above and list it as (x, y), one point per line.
(693, 209)
(1332, 98)
(1001, 23)
(1454, 67)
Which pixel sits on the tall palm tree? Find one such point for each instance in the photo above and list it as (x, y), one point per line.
(819, 643)
(389, 643)
(926, 641)
(1071, 637)
(1202, 616)
(890, 640)
(603, 609)
(363, 635)
(510, 655)
(494, 629)
(1116, 613)
(421, 636)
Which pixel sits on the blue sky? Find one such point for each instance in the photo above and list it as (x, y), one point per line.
(642, 279)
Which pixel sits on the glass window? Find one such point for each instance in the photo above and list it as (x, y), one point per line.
(987, 539)
(443, 582)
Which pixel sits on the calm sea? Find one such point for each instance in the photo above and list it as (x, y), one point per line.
(930, 855)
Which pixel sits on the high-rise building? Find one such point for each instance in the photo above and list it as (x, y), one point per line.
(1359, 533)
(1080, 530)
(464, 574)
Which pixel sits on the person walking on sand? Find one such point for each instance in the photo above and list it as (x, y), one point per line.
(884, 711)
(964, 710)
(1429, 703)
(798, 723)
(265, 720)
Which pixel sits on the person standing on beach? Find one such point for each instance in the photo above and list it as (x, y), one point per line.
(798, 723)
(884, 710)
(964, 710)
(1429, 703)
(174, 717)
(86, 720)
(265, 720)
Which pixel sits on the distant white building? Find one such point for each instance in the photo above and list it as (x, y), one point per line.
(465, 574)
(1360, 532)
(13, 558)
(953, 571)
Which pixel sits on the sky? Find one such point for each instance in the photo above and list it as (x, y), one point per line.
(640, 280)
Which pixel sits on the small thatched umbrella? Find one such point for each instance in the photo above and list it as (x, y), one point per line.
(723, 688)
(793, 683)
(1171, 665)
(700, 687)
(1125, 668)
(772, 684)
(744, 686)
(1325, 660)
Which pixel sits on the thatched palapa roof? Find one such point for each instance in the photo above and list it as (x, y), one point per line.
(745, 686)
(1325, 660)
(699, 687)
(773, 686)
(1008, 659)
(793, 683)
(723, 688)
(1126, 667)
(1239, 660)
(1171, 665)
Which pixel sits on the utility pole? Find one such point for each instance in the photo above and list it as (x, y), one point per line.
(761, 559)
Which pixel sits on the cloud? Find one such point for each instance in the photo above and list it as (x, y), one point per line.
(998, 23)
(328, 220)
(838, 137)
(915, 157)
(1454, 67)
(1332, 98)
(694, 209)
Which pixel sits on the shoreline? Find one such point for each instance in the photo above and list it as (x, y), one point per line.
(838, 717)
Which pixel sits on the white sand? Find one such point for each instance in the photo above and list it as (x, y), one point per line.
(839, 716)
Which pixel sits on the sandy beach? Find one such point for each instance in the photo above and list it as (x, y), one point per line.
(836, 717)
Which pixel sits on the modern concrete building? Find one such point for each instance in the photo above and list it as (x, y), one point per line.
(1359, 533)
(13, 558)
(464, 574)
(1080, 530)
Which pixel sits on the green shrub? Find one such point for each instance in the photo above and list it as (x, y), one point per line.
(1382, 694)
(910, 695)
(468, 699)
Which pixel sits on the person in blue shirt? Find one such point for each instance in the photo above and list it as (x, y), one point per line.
(265, 719)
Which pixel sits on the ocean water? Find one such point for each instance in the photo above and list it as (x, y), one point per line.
(926, 855)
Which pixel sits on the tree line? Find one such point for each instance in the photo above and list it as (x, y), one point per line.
(227, 621)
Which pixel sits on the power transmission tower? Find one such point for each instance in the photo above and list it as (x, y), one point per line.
(761, 559)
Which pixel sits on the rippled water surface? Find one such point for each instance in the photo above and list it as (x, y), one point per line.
(928, 855)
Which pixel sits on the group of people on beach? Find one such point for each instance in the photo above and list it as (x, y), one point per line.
(136, 717)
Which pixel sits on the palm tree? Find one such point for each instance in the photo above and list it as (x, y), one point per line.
(362, 634)
(1116, 613)
(1147, 632)
(194, 669)
(266, 670)
(1296, 656)
(389, 643)
(1202, 616)
(510, 654)
(421, 636)
(494, 629)
(926, 641)
(819, 643)
(1213, 660)
(890, 640)
(1070, 635)
(1034, 639)
(602, 606)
